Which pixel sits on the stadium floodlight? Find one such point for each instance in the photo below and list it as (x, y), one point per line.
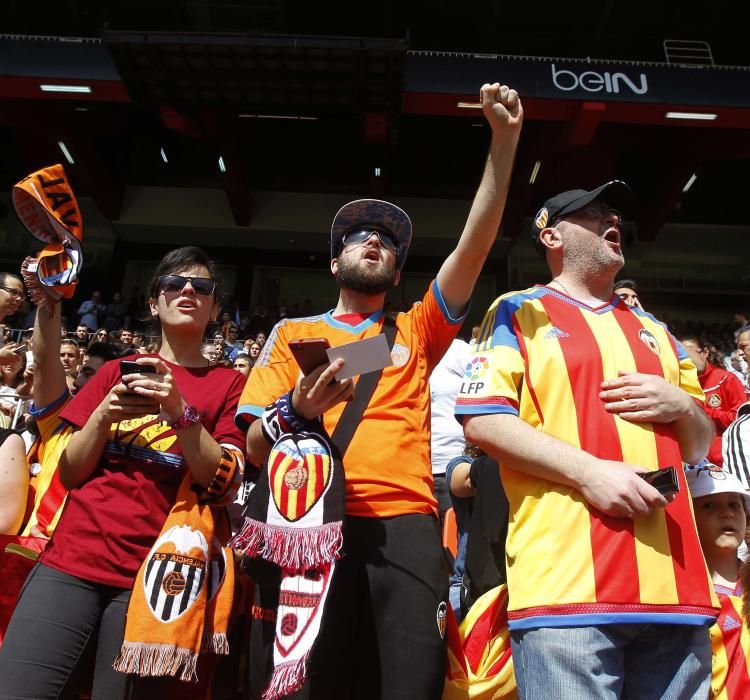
(65, 88)
(377, 172)
(690, 182)
(535, 172)
(698, 116)
(66, 152)
(163, 155)
(222, 167)
(286, 117)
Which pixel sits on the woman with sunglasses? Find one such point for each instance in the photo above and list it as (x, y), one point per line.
(101, 336)
(136, 437)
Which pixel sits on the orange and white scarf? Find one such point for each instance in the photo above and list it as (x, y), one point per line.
(45, 204)
(182, 596)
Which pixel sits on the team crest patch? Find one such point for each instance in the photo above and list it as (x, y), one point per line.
(442, 618)
(299, 474)
(714, 401)
(400, 355)
(300, 598)
(649, 340)
(176, 572)
(477, 368)
(541, 218)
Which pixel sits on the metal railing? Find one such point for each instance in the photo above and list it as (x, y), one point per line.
(681, 52)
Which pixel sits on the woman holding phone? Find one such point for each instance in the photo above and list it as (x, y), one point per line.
(139, 436)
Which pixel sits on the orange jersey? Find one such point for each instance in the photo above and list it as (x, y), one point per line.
(542, 356)
(48, 493)
(388, 469)
(730, 649)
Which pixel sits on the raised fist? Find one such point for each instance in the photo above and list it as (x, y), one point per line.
(501, 106)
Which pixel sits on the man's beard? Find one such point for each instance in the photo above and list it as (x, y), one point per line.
(369, 281)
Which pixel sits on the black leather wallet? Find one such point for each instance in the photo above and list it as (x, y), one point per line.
(663, 480)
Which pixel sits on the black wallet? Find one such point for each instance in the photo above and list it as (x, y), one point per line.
(663, 480)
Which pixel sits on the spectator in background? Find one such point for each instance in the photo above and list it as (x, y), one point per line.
(100, 336)
(252, 349)
(213, 353)
(114, 315)
(91, 312)
(82, 335)
(261, 339)
(242, 364)
(12, 294)
(69, 356)
(627, 290)
(474, 335)
(743, 345)
(11, 376)
(137, 340)
(447, 435)
(721, 505)
(735, 446)
(724, 392)
(126, 338)
(233, 345)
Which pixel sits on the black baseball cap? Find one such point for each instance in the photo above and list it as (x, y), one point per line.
(614, 193)
(376, 213)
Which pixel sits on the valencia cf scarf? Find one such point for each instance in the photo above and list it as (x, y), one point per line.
(182, 596)
(45, 204)
(293, 520)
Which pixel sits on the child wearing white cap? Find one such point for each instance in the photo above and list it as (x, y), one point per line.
(721, 507)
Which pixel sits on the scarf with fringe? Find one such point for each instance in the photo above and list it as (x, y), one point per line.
(48, 209)
(293, 520)
(182, 596)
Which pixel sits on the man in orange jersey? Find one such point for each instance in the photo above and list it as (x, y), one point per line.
(383, 634)
(574, 392)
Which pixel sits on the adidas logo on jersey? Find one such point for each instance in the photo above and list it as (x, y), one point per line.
(555, 333)
(730, 623)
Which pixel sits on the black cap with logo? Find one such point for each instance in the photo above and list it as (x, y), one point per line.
(614, 193)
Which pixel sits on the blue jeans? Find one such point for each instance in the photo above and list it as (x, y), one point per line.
(638, 661)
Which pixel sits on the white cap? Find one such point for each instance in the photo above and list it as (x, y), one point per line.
(708, 479)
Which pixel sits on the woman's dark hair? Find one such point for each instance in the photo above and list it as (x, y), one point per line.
(178, 260)
(713, 356)
(174, 262)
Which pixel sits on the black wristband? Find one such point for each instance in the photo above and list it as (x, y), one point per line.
(291, 421)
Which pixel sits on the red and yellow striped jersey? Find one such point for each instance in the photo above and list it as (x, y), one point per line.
(730, 647)
(480, 662)
(48, 493)
(542, 356)
(388, 468)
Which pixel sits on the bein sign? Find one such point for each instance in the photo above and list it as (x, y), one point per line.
(591, 81)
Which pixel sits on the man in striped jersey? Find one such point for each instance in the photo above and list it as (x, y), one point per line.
(575, 393)
(735, 446)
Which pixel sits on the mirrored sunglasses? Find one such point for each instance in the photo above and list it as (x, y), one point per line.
(363, 235)
(176, 283)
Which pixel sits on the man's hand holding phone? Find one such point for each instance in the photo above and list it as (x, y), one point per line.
(318, 391)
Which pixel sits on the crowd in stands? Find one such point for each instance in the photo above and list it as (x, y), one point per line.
(187, 509)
